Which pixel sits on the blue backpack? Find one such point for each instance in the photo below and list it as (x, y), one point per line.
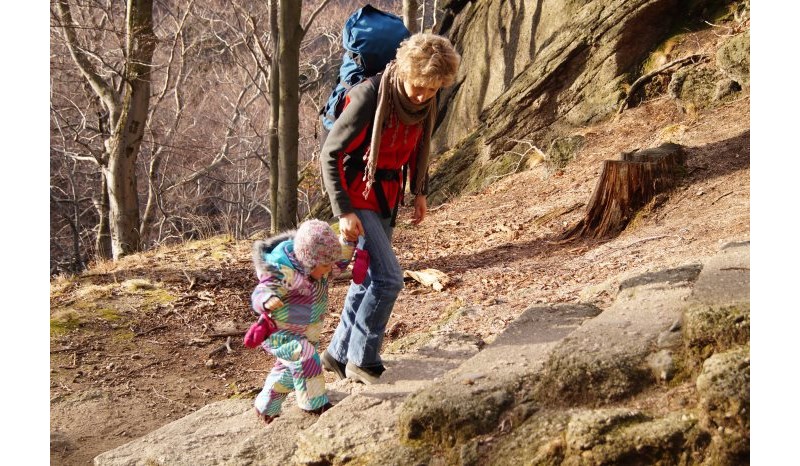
(370, 38)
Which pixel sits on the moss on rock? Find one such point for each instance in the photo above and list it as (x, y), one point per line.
(572, 378)
(712, 329)
(452, 415)
(64, 321)
(540, 441)
(563, 150)
(724, 391)
(733, 58)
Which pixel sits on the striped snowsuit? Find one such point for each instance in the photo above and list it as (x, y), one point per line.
(295, 343)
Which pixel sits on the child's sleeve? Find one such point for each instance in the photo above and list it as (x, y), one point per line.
(272, 283)
(348, 248)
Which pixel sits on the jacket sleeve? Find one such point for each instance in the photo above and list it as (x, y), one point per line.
(272, 283)
(413, 167)
(355, 118)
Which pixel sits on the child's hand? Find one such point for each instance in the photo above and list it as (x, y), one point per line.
(272, 303)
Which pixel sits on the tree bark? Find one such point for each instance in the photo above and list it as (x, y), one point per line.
(127, 115)
(410, 8)
(291, 33)
(274, 91)
(126, 135)
(624, 187)
(102, 243)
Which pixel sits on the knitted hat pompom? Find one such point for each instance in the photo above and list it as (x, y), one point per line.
(315, 243)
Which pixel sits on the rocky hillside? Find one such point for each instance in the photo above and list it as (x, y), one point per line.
(537, 74)
(629, 350)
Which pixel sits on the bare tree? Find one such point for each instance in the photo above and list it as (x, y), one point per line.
(410, 9)
(291, 34)
(125, 97)
(274, 115)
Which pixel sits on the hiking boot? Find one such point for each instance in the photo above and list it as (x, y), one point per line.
(365, 375)
(320, 410)
(332, 365)
(265, 417)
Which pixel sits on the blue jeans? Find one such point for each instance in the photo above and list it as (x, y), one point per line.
(368, 306)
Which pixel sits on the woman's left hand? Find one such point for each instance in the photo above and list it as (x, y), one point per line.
(420, 209)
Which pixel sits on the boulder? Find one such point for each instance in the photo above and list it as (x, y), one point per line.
(723, 389)
(629, 437)
(695, 87)
(562, 65)
(733, 58)
(710, 329)
(225, 432)
(564, 149)
(603, 436)
(606, 358)
(470, 400)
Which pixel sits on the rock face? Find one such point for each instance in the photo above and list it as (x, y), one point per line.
(563, 64)
(565, 56)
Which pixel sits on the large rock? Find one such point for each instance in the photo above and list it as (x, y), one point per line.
(469, 400)
(604, 436)
(723, 388)
(606, 359)
(226, 432)
(733, 58)
(566, 57)
(695, 87)
(712, 329)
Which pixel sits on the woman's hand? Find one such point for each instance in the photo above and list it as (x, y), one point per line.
(420, 209)
(350, 227)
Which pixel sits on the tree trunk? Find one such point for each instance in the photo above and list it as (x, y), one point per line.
(127, 115)
(624, 187)
(291, 33)
(152, 200)
(410, 8)
(274, 92)
(126, 136)
(102, 243)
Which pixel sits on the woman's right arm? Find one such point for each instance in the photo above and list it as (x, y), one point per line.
(347, 134)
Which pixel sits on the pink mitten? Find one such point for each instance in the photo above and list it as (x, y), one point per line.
(259, 331)
(360, 262)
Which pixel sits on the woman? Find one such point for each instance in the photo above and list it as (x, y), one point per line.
(364, 174)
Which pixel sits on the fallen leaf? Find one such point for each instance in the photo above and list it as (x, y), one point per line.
(433, 278)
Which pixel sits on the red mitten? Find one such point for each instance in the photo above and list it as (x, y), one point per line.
(360, 262)
(259, 331)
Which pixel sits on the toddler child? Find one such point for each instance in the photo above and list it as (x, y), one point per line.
(293, 271)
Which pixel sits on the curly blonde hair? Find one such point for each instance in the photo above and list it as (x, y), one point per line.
(427, 60)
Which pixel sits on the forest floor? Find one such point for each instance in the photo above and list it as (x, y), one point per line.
(139, 343)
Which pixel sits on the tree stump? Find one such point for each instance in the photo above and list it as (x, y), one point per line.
(625, 186)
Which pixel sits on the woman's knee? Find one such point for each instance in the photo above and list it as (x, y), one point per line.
(390, 283)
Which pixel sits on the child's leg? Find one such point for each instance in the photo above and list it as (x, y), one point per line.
(306, 369)
(277, 385)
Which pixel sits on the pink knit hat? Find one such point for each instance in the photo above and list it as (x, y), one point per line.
(315, 243)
